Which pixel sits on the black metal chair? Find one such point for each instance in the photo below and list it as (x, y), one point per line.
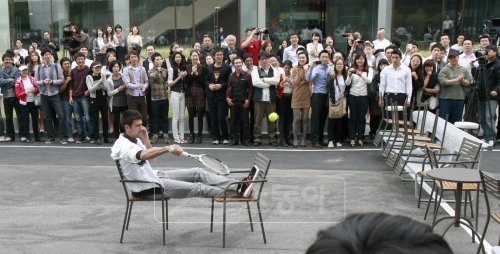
(491, 187)
(156, 196)
(263, 164)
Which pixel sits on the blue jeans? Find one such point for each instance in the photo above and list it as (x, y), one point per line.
(67, 111)
(453, 108)
(488, 118)
(81, 110)
(49, 103)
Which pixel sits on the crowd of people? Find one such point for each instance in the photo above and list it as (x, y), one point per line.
(237, 86)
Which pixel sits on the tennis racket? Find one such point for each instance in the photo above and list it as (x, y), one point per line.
(208, 162)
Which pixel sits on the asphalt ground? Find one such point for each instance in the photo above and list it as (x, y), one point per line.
(67, 199)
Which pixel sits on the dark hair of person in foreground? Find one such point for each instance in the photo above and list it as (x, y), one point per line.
(379, 233)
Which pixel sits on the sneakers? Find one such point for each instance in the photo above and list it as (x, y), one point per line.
(23, 139)
(63, 142)
(71, 140)
(338, 144)
(330, 144)
(215, 142)
(79, 141)
(2, 139)
(92, 141)
(225, 142)
(154, 139)
(491, 142)
(49, 141)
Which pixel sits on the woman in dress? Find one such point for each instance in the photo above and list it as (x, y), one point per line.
(301, 99)
(358, 78)
(195, 95)
(178, 83)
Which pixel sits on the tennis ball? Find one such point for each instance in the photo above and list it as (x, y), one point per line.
(273, 117)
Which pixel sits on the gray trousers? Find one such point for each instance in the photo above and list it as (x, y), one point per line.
(193, 182)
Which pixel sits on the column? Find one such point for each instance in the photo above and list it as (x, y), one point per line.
(4, 25)
(121, 14)
(385, 16)
(249, 14)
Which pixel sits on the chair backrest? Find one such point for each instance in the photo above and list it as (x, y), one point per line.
(469, 150)
(122, 177)
(263, 163)
(491, 187)
(432, 158)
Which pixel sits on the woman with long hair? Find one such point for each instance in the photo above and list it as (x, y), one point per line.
(281, 49)
(301, 99)
(178, 83)
(99, 46)
(98, 102)
(195, 95)
(358, 78)
(110, 38)
(430, 83)
(336, 90)
(285, 105)
(267, 46)
(134, 40)
(34, 62)
(373, 98)
(117, 94)
(174, 47)
(314, 47)
(417, 74)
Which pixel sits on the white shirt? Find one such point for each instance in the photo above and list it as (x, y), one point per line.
(290, 53)
(359, 84)
(396, 81)
(311, 51)
(23, 52)
(464, 61)
(265, 83)
(133, 168)
(381, 44)
(30, 97)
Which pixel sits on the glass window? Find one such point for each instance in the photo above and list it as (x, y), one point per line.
(209, 19)
(155, 19)
(184, 28)
(417, 20)
(92, 14)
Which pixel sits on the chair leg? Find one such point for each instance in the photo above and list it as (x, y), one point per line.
(212, 218)
(261, 222)
(477, 208)
(124, 222)
(250, 216)
(471, 206)
(129, 213)
(465, 204)
(430, 201)
(420, 191)
(224, 226)
(166, 214)
(163, 220)
(436, 207)
(483, 235)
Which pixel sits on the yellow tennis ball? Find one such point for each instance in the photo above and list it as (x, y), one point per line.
(273, 117)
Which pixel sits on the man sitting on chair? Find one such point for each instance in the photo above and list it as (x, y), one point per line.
(134, 152)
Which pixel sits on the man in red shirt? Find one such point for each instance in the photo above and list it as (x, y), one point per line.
(251, 44)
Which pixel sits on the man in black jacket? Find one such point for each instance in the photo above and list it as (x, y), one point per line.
(216, 86)
(488, 93)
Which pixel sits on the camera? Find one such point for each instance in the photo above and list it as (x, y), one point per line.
(67, 37)
(481, 56)
(262, 30)
(318, 62)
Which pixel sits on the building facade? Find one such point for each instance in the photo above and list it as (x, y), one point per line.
(186, 21)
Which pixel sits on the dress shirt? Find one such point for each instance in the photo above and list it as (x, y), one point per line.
(319, 76)
(290, 53)
(137, 75)
(396, 80)
(464, 61)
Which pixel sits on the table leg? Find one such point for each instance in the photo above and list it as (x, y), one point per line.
(458, 202)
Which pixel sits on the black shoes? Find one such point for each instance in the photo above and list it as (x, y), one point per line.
(191, 139)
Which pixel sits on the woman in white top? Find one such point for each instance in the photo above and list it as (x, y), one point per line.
(336, 89)
(314, 48)
(109, 38)
(134, 40)
(98, 89)
(360, 75)
(99, 46)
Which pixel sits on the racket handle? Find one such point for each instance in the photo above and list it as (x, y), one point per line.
(184, 154)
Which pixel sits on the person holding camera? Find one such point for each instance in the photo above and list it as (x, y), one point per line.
(251, 44)
(488, 86)
(47, 42)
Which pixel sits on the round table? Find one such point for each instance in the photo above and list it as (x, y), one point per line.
(458, 176)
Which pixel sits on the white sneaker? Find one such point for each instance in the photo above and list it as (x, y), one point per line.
(330, 144)
(491, 142)
(23, 139)
(7, 139)
(338, 144)
(87, 138)
(2, 139)
(71, 140)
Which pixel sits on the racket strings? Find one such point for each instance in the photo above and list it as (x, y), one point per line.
(214, 164)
